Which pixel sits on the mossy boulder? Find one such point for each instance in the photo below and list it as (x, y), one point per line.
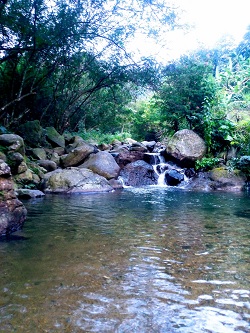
(12, 143)
(32, 133)
(54, 138)
(226, 179)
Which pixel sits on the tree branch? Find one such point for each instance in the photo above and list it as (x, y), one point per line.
(17, 100)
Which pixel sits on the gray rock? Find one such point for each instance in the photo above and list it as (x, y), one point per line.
(149, 144)
(138, 173)
(218, 179)
(75, 142)
(12, 211)
(225, 179)
(173, 177)
(244, 164)
(124, 157)
(138, 147)
(77, 156)
(186, 147)
(102, 163)
(22, 167)
(74, 180)
(39, 153)
(25, 193)
(116, 183)
(13, 143)
(104, 146)
(54, 138)
(4, 169)
(15, 160)
(47, 165)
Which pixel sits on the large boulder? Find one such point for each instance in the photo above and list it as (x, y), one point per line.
(124, 157)
(39, 153)
(54, 138)
(74, 142)
(102, 163)
(32, 133)
(14, 161)
(138, 173)
(244, 165)
(74, 180)
(225, 179)
(218, 179)
(12, 211)
(186, 147)
(77, 156)
(12, 143)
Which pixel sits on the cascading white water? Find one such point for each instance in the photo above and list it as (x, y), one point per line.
(161, 167)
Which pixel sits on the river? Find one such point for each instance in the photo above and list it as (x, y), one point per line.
(142, 260)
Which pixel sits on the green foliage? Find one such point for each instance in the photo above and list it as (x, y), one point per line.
(97, 137)
(59, 60)
(180, 99)
(207, 163)
(3, 149)
(26, 184)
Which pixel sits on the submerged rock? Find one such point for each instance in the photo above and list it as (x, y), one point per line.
(25, 193)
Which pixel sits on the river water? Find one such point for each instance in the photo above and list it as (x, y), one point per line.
(138, 260)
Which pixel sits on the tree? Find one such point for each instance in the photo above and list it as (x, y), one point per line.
(180, 99)
(244, 46)
(44, 44)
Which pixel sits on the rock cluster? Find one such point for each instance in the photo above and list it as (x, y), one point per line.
(43, 161)
(12, 211)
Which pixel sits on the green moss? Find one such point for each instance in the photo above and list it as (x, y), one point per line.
(3, 149)
(224, 173)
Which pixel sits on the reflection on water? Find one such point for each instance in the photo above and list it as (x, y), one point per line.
(139, 260)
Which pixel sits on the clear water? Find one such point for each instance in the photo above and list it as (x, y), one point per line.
(140, 260)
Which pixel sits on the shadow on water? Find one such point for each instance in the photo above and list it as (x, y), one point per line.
(142, 260)
(13, 238)
(244, 213)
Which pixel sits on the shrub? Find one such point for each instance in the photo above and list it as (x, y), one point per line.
(207, 163)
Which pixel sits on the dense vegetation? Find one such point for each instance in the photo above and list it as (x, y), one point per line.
(65, 63)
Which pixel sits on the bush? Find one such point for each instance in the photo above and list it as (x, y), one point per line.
(207, 163)
(97, 137)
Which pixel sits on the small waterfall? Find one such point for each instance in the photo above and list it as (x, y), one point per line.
(168, 173)
(159, 165)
